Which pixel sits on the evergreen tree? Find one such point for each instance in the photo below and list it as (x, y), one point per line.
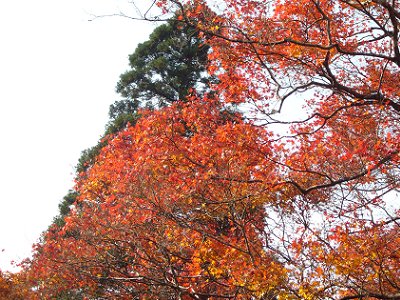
(164, 68)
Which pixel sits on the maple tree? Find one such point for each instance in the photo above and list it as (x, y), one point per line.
(340, 158)
(164, 212)
(193, 202)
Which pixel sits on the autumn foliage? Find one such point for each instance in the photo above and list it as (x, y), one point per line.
(235, 194)
(15, 287)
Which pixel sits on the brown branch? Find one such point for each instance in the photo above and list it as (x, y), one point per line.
(306, 191)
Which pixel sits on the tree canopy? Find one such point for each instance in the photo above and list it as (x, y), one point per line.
(189, 204)
(165, 68)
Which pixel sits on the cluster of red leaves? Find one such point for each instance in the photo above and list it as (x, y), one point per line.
(173, 206)
(15, 286)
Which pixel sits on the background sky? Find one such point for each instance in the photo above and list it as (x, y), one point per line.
(58, 73)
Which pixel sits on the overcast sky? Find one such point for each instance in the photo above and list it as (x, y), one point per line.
(57, 79)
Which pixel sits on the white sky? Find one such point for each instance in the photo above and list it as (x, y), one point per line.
(57, 78)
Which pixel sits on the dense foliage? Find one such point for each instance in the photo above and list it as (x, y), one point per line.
(15, 287)
(193, 202)
(165, 68)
